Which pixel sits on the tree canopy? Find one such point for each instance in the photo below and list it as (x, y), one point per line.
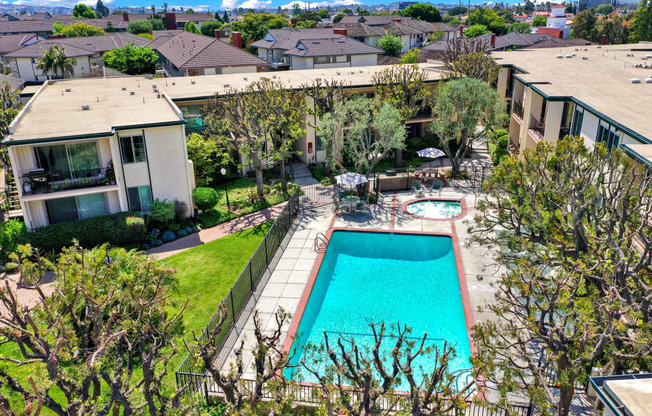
(539, 21)
(208, 28)
(391, 44)
(641, 29)
(338, 17)
(520, 27)
(475, 31)
(101, 9)
(489, 18)
(423, 11)
(191, 27)
(132, 60)
(83, 11)
(78, 30)
(604, 8)
(254, 26)
(139, 26)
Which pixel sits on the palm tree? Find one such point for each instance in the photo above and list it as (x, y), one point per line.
(55, 61)
(165, 7)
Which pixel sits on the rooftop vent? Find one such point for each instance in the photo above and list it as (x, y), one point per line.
(648, 80)
(630, 55)
(86, 107)
(174, 83)
(569, 56)
(154, 86)
(338, 73)
(635, 81)
(317, 79)
(68, 90)
(132, 92)
(156, 90)
(245, 78)
(124, 88)
(585, 58)
(192, 81)
(227, 85)
(560, 56)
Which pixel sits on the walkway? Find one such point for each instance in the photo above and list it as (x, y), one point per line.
(302, 175)
(219, 231)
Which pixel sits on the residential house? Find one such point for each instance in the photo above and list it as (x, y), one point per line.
(45, 26)
(413, 32)
(82, 148)
(189, 53)
(512, 41)
(362, 32)
(87, 52)
(579, 91)
(556, 23)
(276, 42)
(331, 52)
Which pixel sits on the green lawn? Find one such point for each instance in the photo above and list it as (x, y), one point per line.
(205, 275)
(243, 200)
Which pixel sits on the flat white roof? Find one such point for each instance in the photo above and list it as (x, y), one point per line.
(598, 76)
(634, 395)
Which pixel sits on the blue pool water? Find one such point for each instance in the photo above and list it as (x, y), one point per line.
(396, 278)
(435, 209)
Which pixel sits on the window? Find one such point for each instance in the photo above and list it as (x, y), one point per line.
(319, 142)
(323, 60)
(68, 161)
(566, 119)
(75, 208)
(577, 121)
(133, 149)
(608, 135)
(140, 198)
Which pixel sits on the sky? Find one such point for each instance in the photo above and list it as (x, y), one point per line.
(203, 5)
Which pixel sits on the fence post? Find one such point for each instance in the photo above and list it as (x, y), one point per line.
(530, 410)
(278, 227)
(266, 256)
(232, 307)
(251, 276)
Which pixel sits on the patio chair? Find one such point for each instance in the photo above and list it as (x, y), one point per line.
(436, 186)
(359, 206)
(416, 187)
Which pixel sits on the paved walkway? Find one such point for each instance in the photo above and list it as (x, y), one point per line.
(219, 231)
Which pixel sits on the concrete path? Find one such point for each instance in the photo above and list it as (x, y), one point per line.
(302, 175)
(219, 231)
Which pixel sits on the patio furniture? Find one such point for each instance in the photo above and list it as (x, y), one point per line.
(416, 187)
(436, 186)
(350, 202)
(359, 206)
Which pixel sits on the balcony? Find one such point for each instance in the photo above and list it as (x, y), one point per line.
(38, 181)
(518, 110)
(537, 127)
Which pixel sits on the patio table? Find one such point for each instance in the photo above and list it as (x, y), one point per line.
(350, 202)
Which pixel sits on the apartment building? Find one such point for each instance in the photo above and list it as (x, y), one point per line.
(87, 147)
(598, 93)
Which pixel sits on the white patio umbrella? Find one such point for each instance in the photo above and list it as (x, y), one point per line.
(351, 179)
(431, 153)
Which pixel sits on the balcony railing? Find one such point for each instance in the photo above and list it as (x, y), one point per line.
(518, 109)
(38, 181)
(537, 127)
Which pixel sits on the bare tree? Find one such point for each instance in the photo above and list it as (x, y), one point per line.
(103, 338)
(269, 365)
(354, 379)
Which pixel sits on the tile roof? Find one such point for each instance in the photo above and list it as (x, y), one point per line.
(14, 82)
(558, 43)
(192, 17)
(422, 27)
(287, 38)
(340, 45)
(10, 43)
(189, 51)
(84, 46)
(361, 30)
(445, 27)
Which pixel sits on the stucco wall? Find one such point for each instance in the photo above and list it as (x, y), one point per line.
(239, 69)
(364, 60)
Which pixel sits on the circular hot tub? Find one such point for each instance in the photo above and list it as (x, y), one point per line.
(435, 209)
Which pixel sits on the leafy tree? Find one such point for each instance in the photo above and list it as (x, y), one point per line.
(468, 57)
(498, 26)
(191, 27)
(411, 56)
(423, 11)
(584, 24)
(391, 44)
(190, 10)
(436, 36)
(225, 18)
(604, 9)
(139, 26)
(250, 117)
(612, 27)
(306, 24)
(157, 21)
(82, 11)
(296, 9)
(79, 30)
(254, 26)
(324, 14)
(641, 29)
(457, 10)
(101, 9)
(10, 106)
(308, 16)
(475, 31)
(100, 343)
(338, 17)
(109, 27)
(373, 129)
(465, 109)
(56, 61)
(402, 87)
(539, 21)
(131, 60)
(482, 16)
(208, 157)
(528, 7)
(58, 27)
(547, 215)
(218, 17)
(146, 36)
(347, 11)
(520, 27)
(208, 28)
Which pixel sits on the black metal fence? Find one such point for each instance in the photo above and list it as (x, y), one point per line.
(191, 372)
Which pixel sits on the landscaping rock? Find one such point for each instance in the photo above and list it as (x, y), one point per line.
(157, 243)
(188, 230)
(169, 236)
(181, 233)
(195, 228)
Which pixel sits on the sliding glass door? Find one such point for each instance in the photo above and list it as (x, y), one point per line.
(76, 208)
(69, 161)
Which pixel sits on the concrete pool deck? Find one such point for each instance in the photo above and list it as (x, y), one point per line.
(285, 286)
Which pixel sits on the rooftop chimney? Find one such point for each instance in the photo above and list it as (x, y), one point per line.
(125, 17)
(218, 34)
(236, 39)
(398, 20)
(493, 40)
(171, 21)
(342, 32)
(461, 30)
(604, 39)
(150, 31)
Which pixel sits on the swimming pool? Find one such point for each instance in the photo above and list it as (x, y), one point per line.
(435, 209)
(390, 277)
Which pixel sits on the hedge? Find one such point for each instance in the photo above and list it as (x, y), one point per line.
(124, 228)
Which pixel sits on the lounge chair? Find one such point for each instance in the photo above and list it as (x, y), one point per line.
(416, 187)
(436, 186)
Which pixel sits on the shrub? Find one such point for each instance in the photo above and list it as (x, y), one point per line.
(168, 236)
(205, 198)
(179, 211)
(162, 211)
(12, 233)
(497, 146)
(120, 229)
